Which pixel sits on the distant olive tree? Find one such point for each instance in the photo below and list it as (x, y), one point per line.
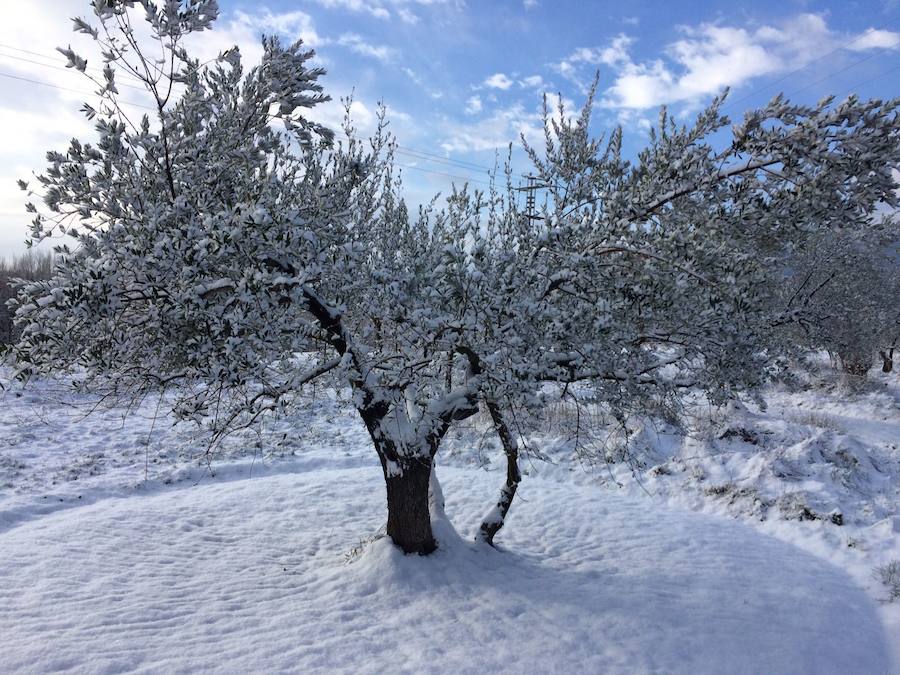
(843, 287)
(29, 266)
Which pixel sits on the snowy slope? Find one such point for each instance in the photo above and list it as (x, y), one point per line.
(819, 469)
(251, 576)
(121, 550)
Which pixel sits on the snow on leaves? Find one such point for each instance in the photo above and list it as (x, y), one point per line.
(244, 260)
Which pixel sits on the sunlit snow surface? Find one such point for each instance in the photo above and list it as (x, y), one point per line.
(251, 576)
(119, 554)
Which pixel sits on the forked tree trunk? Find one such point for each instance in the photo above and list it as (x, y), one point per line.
(409, 519)
(408, 475)
(494, 520)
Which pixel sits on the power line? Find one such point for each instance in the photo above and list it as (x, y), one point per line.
(75, 91)
(426, 156)
(872, 79)
(414, 153)
(422, 154)
(830, 75)
(78, 91)
(436, 160)
(409, 152)
(48, 65)
(50, 57)
(28, 51)
(446, 175)
(460, 162)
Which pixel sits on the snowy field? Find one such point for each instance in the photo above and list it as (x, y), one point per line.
(748, 542)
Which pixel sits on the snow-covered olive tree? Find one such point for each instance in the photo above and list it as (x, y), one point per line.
(231, 251)
(231, 262)
(843, 288)
(638, 279)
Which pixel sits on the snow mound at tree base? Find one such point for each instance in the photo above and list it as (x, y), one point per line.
(255, 576)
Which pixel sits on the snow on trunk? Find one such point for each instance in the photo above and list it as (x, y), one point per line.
(496, 517)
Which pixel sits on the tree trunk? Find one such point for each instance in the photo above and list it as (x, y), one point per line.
(494, 521)
(409, 519)
(408, 471)
(406, 483)
(887, 360)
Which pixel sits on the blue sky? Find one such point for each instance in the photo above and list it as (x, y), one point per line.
(462, 79)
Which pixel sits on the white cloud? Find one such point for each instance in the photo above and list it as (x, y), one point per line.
(384, 9)
(502, 126)
(375, 9)
(498, 81)
(25, 135)
(617, 51)
(614, 55)
(413, 75)
(710, 57)
(295, 25)
(395, 115)
(417, 79)
(407, 16)
(496, 131)
(530, 4)
(876, 39)
(333, 113)
(35, 118)
(17, 31)
(473, 105)
(244, 30)
(717, 57)
(532, 82)
(559, 107)
(357, 44)
(45, 129)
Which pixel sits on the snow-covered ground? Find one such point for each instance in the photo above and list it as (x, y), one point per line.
(721, 552)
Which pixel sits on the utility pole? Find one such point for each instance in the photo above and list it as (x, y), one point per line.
(530, 200)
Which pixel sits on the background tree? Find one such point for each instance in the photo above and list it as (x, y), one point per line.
(212, 252)
(842, 288)
(31, 265)
(638, 280)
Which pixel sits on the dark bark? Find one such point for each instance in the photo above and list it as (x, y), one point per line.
(887, 360)
(494, 522)
(407, 480)
(406, 483)
(409, 518)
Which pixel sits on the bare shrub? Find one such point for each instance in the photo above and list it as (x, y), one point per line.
(889, 575)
